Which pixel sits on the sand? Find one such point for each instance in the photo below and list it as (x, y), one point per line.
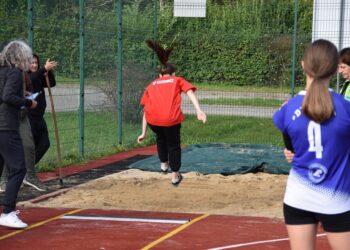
(258, 194)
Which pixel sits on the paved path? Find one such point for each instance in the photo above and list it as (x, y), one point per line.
(66, 98)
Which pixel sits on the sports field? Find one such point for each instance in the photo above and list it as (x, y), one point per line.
(133, 209)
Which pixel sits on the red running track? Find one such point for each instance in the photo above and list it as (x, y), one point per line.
(115, 229)
(71, 229)
(73, 169)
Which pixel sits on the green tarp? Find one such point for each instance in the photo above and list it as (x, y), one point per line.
(225, 159)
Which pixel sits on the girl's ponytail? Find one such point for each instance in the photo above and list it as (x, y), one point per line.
(163, 56)
(320, 62)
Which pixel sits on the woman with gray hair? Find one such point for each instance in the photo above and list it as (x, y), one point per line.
(14, 61)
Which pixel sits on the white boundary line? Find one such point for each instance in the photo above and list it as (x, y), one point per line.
(124, 219)
(255, 243)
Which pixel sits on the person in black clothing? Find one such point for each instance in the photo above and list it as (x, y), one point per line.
(14, 61)
(2, 46)
(36, 116)
(25, 131)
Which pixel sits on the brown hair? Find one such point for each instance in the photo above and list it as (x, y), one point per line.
(163, 56)
(26, 80)
(344, 56)
(320, 62)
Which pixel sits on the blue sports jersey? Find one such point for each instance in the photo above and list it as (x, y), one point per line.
(319, 180)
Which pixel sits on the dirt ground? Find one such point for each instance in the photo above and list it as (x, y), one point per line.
(258, 194)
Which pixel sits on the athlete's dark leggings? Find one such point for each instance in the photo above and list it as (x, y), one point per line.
(168, 145)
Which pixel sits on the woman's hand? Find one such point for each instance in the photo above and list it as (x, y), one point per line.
(289, 155)
(34, 104)
(141, 138)
(50, 65)
(201, 116)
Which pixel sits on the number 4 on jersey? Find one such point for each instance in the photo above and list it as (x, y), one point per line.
(314, 136)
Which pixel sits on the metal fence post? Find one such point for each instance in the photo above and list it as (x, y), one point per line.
(81, 76)
(155, 36)
(294, 46)
(341, 34)
(120, 70)
(30, 23)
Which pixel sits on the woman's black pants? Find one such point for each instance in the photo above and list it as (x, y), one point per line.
(168, 145)
(12, 154)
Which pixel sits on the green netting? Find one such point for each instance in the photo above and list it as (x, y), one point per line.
(225, 159)
(241, 58)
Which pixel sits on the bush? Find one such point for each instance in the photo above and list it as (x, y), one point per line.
(135, 78)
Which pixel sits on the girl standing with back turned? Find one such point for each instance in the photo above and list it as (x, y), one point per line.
(317, 120)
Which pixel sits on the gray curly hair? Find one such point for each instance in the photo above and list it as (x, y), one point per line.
(17, 53)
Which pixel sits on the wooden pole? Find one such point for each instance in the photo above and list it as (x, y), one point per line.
(58, 151)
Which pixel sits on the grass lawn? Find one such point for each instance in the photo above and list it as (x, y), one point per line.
(242, 102)
(246, 88)
(100, 135)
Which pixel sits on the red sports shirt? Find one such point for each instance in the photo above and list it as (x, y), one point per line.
(162, 100)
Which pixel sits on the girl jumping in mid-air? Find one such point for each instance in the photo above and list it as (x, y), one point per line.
(162, 111)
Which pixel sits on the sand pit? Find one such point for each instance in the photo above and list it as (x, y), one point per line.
(258, 194)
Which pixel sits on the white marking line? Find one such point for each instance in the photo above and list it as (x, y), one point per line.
(255, 243)
(125, 219)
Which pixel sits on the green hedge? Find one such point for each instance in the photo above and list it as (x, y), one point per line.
(239, 42)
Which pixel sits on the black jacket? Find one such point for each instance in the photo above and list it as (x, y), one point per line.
(11, 97)
(39, 84)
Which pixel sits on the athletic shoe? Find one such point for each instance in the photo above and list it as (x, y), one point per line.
(177, 180)
(11, 220)
(36, 184)
(164, 166)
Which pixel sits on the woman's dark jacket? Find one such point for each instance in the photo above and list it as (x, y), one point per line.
(39, 83)
(11, 97)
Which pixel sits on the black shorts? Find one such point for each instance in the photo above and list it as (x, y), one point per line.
(335, 223)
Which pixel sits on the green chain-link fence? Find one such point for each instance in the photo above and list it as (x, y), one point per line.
(243, 56)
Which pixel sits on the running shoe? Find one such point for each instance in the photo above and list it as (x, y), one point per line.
(176, 181)
(164, 166)
(12, 220)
